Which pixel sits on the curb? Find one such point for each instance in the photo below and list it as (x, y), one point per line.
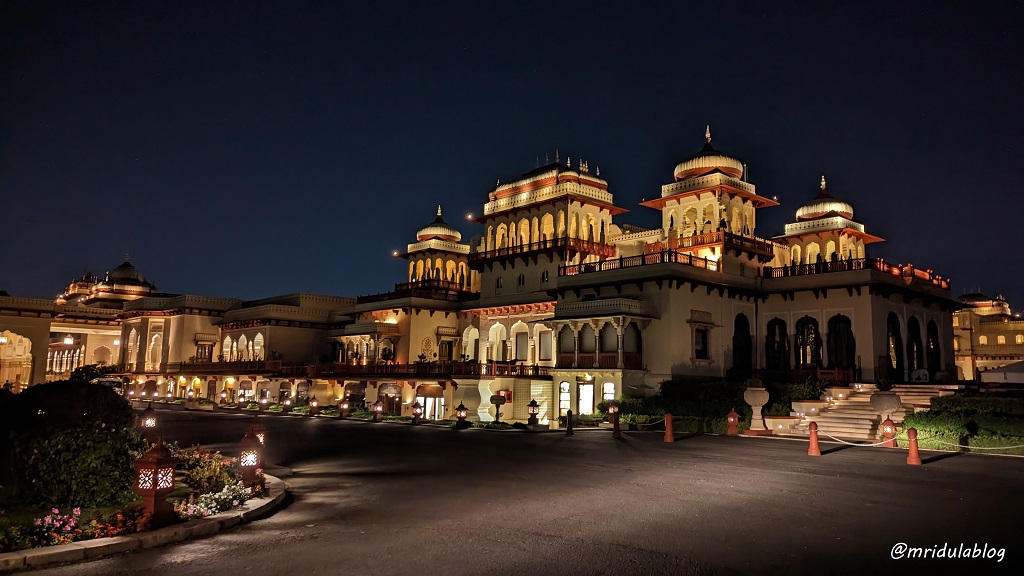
(198, 528)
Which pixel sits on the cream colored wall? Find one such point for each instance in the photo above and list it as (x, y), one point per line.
(37, 331)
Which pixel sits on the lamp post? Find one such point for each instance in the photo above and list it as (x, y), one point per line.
(532, 409)
(378, 409)
(223, 397)
(733, 419)
(343, 408)
(148, 423)
(460, 414)
(613, 410)
(287, 405)
(314, 406)
(889, 433)
(259, 431)
(417, 411)
(154, 480)
(263, 404)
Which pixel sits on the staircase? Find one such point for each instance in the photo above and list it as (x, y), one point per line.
(851, 416)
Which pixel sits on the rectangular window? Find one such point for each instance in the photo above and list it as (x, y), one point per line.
(522, 346)
(563, 398)
(700, 344)
(545, 346)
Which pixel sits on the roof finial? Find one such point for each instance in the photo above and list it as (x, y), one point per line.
(568, 161)
(438, 209)
(707, 133)
(125, 255)
(556, 155)
(822, 182)
(546, 159)
(599, 170)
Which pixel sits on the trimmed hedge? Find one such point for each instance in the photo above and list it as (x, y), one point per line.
(980, 404)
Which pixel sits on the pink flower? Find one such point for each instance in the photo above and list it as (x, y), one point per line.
(38, 522)
(55, 511)
(77, 511)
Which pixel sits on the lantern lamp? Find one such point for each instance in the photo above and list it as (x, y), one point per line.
(417, 411)
(343, 408)
(249, 459)
(378, 409)
(613, 409)
(532, 409)
(149, 417)
(733, 420)
(154, 481)
(223, 397)
(259, 431)
(191, 393)
(888, 433)
(69, 340)
(460, 414)
(314, 406)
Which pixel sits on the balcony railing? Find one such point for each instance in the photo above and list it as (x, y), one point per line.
(907, 271)
(235, 367)
(433, 289)
(665, 256)
(553, 244)
(605, 360)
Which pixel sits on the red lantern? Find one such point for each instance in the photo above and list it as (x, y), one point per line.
(154, 481)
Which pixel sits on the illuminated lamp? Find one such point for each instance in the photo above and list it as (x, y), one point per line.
(249, 459)
(69, 340)
(733, 420)
(417, 411)
(223, 397)
(117, 341)
(3, 339)
(378, 409)
(259, 431)
(613, 409)
(532, 409)
(460, 414)
(154, 480)
(888, 433)
(263, 403)
(148, 421)
(314, 406)
(343, 408)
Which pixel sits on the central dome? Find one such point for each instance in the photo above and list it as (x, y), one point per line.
(708, 160)
(439, 229)
(824, 205)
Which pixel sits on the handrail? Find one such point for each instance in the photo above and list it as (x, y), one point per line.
(665, 256)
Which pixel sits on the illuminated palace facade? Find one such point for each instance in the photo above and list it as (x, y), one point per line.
(556, 301)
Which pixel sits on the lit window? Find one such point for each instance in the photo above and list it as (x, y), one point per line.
(563, 398)
(701, 350)
(1020, 338)
(956, 321)
(956, 343)
(1000, 339)
(608, 393)
(982, 339)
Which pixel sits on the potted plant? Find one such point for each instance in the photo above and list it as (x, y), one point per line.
(884, 400)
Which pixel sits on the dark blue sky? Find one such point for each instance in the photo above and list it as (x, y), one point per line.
(250, 149)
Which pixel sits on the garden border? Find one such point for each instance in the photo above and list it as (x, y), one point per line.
(254, 509)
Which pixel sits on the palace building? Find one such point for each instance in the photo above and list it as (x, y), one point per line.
(559, 301)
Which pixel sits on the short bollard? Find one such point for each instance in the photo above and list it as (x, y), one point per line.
(812, 446)
(568, 423)
(913, 457)
(613, 409)
(669, 433)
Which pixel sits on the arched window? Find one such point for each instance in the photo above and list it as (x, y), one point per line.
(808, 343)
(1020, 339)
(521, 280)
(544, 277)
(1000, 339)
(609, 338)
(588, 339)
(566, 341)
(894, 340)
(983, 340)
(915, 349)
(934, 353)
(497, 282)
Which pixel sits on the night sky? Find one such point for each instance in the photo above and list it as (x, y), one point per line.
(246, 149)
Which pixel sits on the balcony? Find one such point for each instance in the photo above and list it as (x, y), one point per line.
(432, 289)
(602, 307)
(428, 370)
(906, 271)
(665, 256)
(236, 367)
(554, 245)
(602, 360)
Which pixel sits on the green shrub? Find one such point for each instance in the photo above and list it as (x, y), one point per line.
(650, 405)
(713, 399)
(492, 425)
(86, 466)
(994, 441)
(252, 406)
(934, 431)
(983, 404)
(300, 409)
(362, 413)
(330, 411)
(995, 425)
(782, 396)
(707, 424)
(205, 471)
(396, 418)
(275, 407)
(635, 419)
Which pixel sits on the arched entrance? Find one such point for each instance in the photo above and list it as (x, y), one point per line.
(15, 360)
(915, 348)
(934, 351)
(742, 347)
(776, 345)
(808, 343)
(842, 349)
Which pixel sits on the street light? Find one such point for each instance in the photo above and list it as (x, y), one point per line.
(532, 409)
(417, 410)
(149, 417)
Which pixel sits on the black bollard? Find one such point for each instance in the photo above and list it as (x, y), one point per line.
(568, 423)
